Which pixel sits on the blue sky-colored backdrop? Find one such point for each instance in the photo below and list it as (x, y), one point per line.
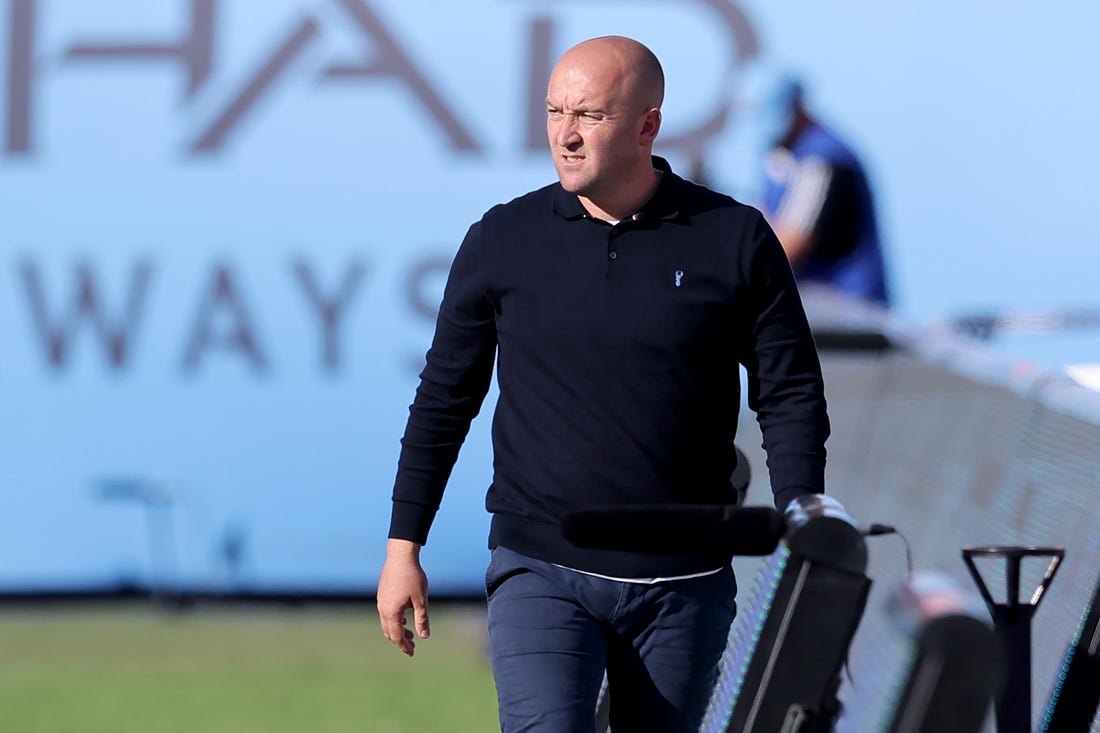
(253, 204)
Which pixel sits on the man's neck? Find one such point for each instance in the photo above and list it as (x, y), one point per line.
(800, 122)
(638, 192)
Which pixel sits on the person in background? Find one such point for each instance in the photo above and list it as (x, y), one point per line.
(616, 305)
(816, 194)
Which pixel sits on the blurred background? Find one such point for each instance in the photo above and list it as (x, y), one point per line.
(225, 227)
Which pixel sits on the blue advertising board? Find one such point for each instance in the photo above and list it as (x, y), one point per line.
(225, 227)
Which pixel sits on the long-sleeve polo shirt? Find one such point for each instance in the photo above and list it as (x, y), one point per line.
(616, 349)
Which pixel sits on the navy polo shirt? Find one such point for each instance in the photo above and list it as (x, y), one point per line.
(617, 351)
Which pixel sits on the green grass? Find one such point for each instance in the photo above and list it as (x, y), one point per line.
(307, 671)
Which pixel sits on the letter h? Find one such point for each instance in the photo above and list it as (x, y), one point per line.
(194, 51)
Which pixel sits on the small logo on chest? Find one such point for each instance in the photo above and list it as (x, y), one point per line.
(679, 275)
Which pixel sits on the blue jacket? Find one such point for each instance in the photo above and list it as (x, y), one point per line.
(822, 180)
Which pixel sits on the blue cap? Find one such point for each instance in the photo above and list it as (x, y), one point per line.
(765, 98)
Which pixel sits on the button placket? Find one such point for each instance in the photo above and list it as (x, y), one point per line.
(612, 235)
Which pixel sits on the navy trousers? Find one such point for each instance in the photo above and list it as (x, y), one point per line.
(553, 632)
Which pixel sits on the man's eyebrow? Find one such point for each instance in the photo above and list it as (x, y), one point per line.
(579, 109)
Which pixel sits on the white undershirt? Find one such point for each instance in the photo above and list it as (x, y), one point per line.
(642, 581)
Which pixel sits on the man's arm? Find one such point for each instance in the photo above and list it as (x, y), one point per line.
(453, 385)
(795, 220)
(785, 386)
(797, 243)
(820, 212)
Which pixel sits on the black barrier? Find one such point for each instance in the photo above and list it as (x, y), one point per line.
(1013, 621)
(782, 667)
(957, 661)
(1075, 697)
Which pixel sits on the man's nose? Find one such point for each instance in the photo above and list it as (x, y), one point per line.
(567, 131)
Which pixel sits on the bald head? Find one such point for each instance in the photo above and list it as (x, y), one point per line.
(602, 116)
(624, 62)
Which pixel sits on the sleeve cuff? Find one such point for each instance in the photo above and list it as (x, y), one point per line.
(784, 497)
(411, 522)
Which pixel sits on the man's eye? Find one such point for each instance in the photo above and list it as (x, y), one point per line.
(553, 113)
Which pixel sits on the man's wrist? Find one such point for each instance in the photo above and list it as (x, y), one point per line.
(398, 548)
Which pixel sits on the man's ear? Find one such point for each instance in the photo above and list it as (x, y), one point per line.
(651, 125)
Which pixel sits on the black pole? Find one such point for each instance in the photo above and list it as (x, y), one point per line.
(1013, 624)
(1012, 620)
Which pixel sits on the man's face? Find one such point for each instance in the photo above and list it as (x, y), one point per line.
(593, 128)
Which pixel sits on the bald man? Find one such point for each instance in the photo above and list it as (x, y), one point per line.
(617, 304)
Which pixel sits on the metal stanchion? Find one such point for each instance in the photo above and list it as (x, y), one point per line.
(1012, 619)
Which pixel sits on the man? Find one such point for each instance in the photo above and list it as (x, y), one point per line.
(618, 303)
(817, 198)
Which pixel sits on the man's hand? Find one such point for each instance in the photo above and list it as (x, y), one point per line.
(403, 585)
